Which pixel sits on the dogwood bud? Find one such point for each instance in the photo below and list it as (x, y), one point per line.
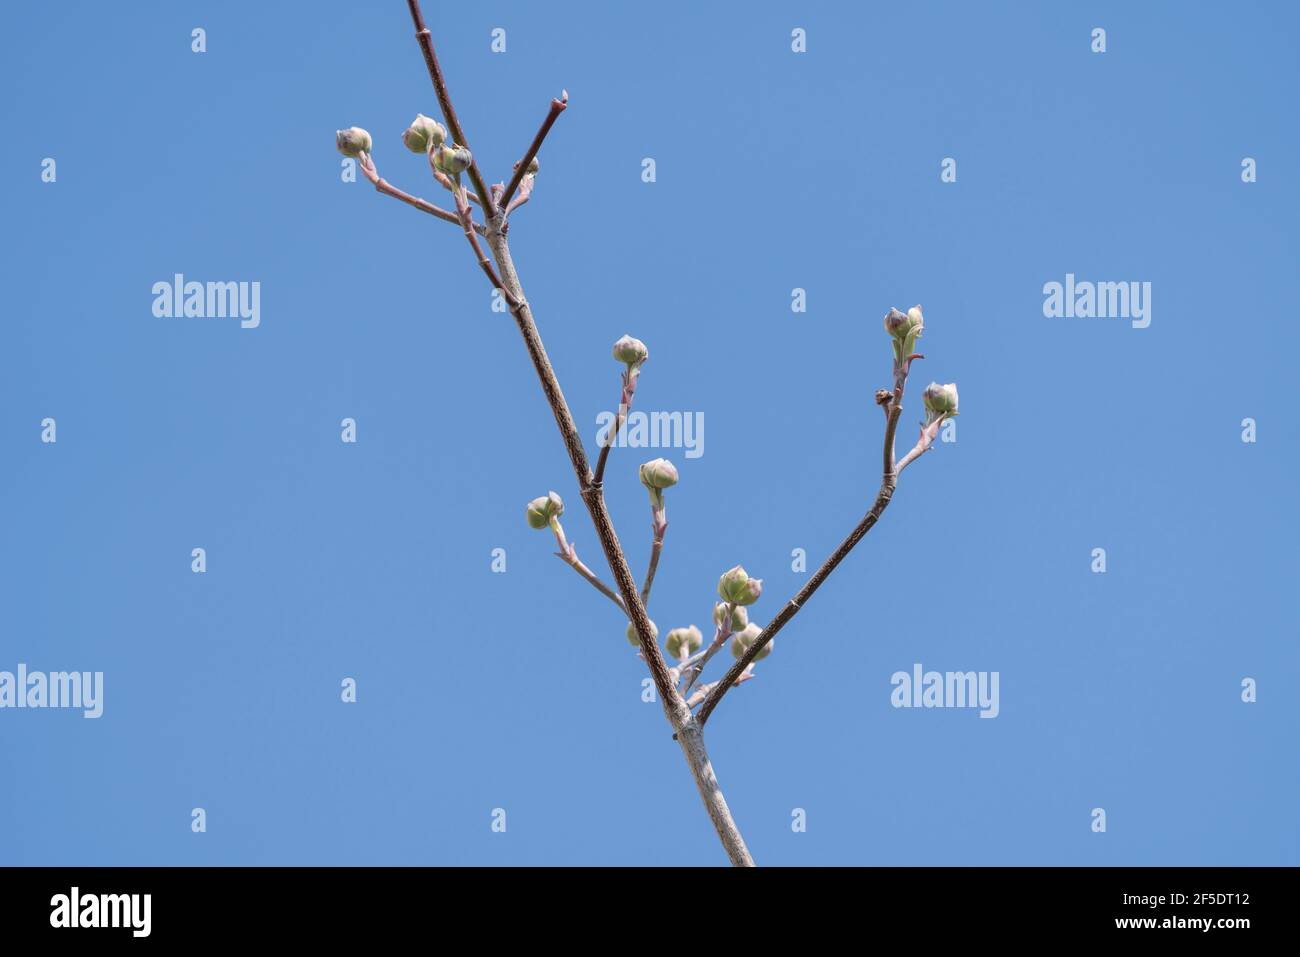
(940, 400)
(353, 141)
(905, 328)
(423, 134)
(542, 510)
(737, 587)
(634, 640)
(657, 475)
(452, 160)
(684, 642)
(632, 351)
(741, 642)
(533, 165)
(739, 616)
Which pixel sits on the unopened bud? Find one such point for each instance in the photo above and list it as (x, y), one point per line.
(741, 642)
(905, 328)
(533, 165)
(737, 587)
(629, 350)
(541, 510)
(634, 640)
(423, 134)
(452, 160)
(353, 141)
(940, 400)
(739, 616)
(657, 475)
(684, 642)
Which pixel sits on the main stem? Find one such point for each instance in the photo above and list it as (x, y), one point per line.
(686, 730)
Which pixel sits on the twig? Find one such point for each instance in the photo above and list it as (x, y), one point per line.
(719, 639)
(630, 378)
(521, 168)
(660, 527)
(888, 482)
(576, 563)
(388, 189)
(425, 39)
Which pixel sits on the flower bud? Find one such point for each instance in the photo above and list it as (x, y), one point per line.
(452, 160)
(657, 475)
(684, 642)
(353, 141)
(423, 134)
(940, 400)
(741, 642)
(541, 510)
(905, 328)
(632, 637)
(738, 588)
(629, 350)
(533, 165)
(739, 616)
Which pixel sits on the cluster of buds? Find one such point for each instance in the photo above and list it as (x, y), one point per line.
(684, 642)
(904, 328)
(634, 640)
(739, 617)
(424, 134)
(744, 638)
(657, 475)
(353, 141)
(737, 588)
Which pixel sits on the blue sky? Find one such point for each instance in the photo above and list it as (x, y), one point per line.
(775, 170)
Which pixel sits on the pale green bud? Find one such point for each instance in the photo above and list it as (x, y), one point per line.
(353, 141)
(423, 134)
(741, 642)
(684, 642)
(738, 588)
(629, 350)
(634, 640)
(940, 400)
(452, 160)
(541, 510)
(739, 616)
(658, 474)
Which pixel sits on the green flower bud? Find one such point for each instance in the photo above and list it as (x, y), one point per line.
(629, 350)
(423, 134)
(738, 588)
(905, 328)
(657, 475)
(741, 642)
(634, 640)
(739, 616)
(452, 160)
(684, 642)
(940, 400)
(540, 511)
(353, 141)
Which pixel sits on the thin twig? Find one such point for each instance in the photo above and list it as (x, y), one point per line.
(574, 562)
(657, 546)
(630, 379)
(521, 168)
(425, 39)
(388, 189)
(888, 482)
(719, 639)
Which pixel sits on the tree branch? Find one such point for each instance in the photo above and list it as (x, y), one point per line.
(388, 189)
(888, 482)
(425, 39)
(521, 168)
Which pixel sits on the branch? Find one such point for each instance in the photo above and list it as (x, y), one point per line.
(630, 378)
(424, 38)
(521, 168)
(887, 483)
(687, 731)
(660, 526)
(719, 639)
(388, 189)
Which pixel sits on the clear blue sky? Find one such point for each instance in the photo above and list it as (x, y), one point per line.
(775, 170)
